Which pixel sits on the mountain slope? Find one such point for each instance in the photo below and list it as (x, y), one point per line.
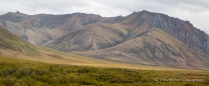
(140, 38)
(154, 48)
(11, 43)
(154, 39)
(12, 46)
(90, 37)
(42, 28)
(136, 24)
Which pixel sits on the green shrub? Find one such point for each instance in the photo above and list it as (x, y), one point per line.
(35, 74)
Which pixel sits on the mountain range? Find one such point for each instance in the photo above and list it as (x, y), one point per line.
(144, 38)
(13, 48)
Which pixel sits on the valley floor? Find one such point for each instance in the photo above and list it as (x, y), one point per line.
(14, 72)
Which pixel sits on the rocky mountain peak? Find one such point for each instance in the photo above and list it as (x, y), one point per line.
(14, 17)
(182, 30)
(18, 12)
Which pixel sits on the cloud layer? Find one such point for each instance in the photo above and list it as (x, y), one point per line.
(195, 11)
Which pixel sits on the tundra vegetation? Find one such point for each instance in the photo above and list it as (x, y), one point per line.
(14, 72)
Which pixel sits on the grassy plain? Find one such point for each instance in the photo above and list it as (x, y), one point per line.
(16, 72)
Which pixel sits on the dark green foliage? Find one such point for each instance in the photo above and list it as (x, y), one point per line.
(137, 51)
(55, 56)
(44, 74)
(151, 48)
(104, 46)
(189, 85)
(126, 37)
(41, 74)
(122, 34)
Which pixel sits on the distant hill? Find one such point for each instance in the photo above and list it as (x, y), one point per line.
(12, 45)
(13, 48)
(141, 38)
(42, 28)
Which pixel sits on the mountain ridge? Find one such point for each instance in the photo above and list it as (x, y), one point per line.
(140, 38)
(13, 48)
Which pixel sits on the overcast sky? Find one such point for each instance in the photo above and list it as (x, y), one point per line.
(195, 11)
